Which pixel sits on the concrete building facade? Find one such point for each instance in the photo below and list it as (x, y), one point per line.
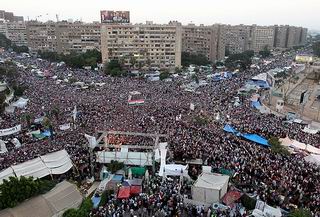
(17, 33)
(149, 44)
(77, 37)
(42, 36)
(205, 40)
(261, 37)
(236, 38)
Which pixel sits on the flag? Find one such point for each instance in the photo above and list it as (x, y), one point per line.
(92, 141)
(74, 113)
(136, 102)
(191, 106)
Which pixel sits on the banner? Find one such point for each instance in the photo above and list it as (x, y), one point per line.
(92, 141)
(64, 127)
(192, 106)
(10, 131)
(3, 148)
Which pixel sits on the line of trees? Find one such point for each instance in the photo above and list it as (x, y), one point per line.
(83, 211)
(75, 60)
(195, 59)
(17, 190)
(240, 60)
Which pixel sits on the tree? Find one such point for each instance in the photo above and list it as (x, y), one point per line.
(177, 70)
(239, 60)
(300, 213)
(164, 75)
(27, 118)
(277, 148)
(16, 190)
(114, 166)
(133, 61)
(113, 68)
(265, 52)
(316, 48)
(196, 59)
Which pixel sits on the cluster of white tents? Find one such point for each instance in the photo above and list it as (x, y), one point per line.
(55, 163)
(293, 145)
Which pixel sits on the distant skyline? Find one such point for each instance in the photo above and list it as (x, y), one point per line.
(268, 12)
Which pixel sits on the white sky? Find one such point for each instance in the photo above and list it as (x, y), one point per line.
(304, 13)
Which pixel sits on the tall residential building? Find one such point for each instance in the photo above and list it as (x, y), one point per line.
(280, 37)
(303, 36)
(10, 17)
(77, 36)
(205, 40)
(261, 37)
(293, 36)
(42, 36)
(17, 33)
(236, 38)
(63, 37)
(143, 44)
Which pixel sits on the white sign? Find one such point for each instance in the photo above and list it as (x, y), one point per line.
(10, 131)
(64, 127)
(92, 141)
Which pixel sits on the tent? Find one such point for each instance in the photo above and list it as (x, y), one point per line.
(138, 171)
(256, 138)
(210, 187)
(3, 148)
(313, 158)
(263, 209)
(174, 170)
(286, 141)
(134, 190)
(124, 193)
(20, 103)
(231, 197)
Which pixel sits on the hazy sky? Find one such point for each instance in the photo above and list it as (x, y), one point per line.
(264, 12)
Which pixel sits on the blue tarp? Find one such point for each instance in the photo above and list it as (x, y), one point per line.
(256, 104)
(95, 201)
(256, 138)
(229, 129)
(117, 178)
(46, 133)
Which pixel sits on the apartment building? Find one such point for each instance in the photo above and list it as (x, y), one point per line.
(261, 37)
(149, 44)
(205, 40)
(10, 17)
(236, 38)
(280, 37)
(77, 37)
(42, 36)
(17, 33)
(63, 37)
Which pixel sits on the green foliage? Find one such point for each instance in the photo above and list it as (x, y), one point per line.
(177, 70)
(20, 49)
(196, 59)
(83, 210)
(240, 60)
(75, 60)
(195, 78)
(265, 52)
(277, 148)
(201, 121)
(16, 190)
(114, 166)
(164, 75)
(316, 48)
(300, 213)
(19, 90)
(114, 68)
(104, 197)
(4, 42)
(248, 202)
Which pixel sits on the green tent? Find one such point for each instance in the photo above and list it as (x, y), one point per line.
(138, 171)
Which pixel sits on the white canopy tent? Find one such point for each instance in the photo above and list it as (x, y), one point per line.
(313, 158)
(51, 164)
(128, 158)
(210, 187)
(174, 170)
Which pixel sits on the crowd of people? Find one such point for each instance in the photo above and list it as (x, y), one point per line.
(278, 180)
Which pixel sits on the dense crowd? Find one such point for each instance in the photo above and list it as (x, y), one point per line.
(278, 180)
